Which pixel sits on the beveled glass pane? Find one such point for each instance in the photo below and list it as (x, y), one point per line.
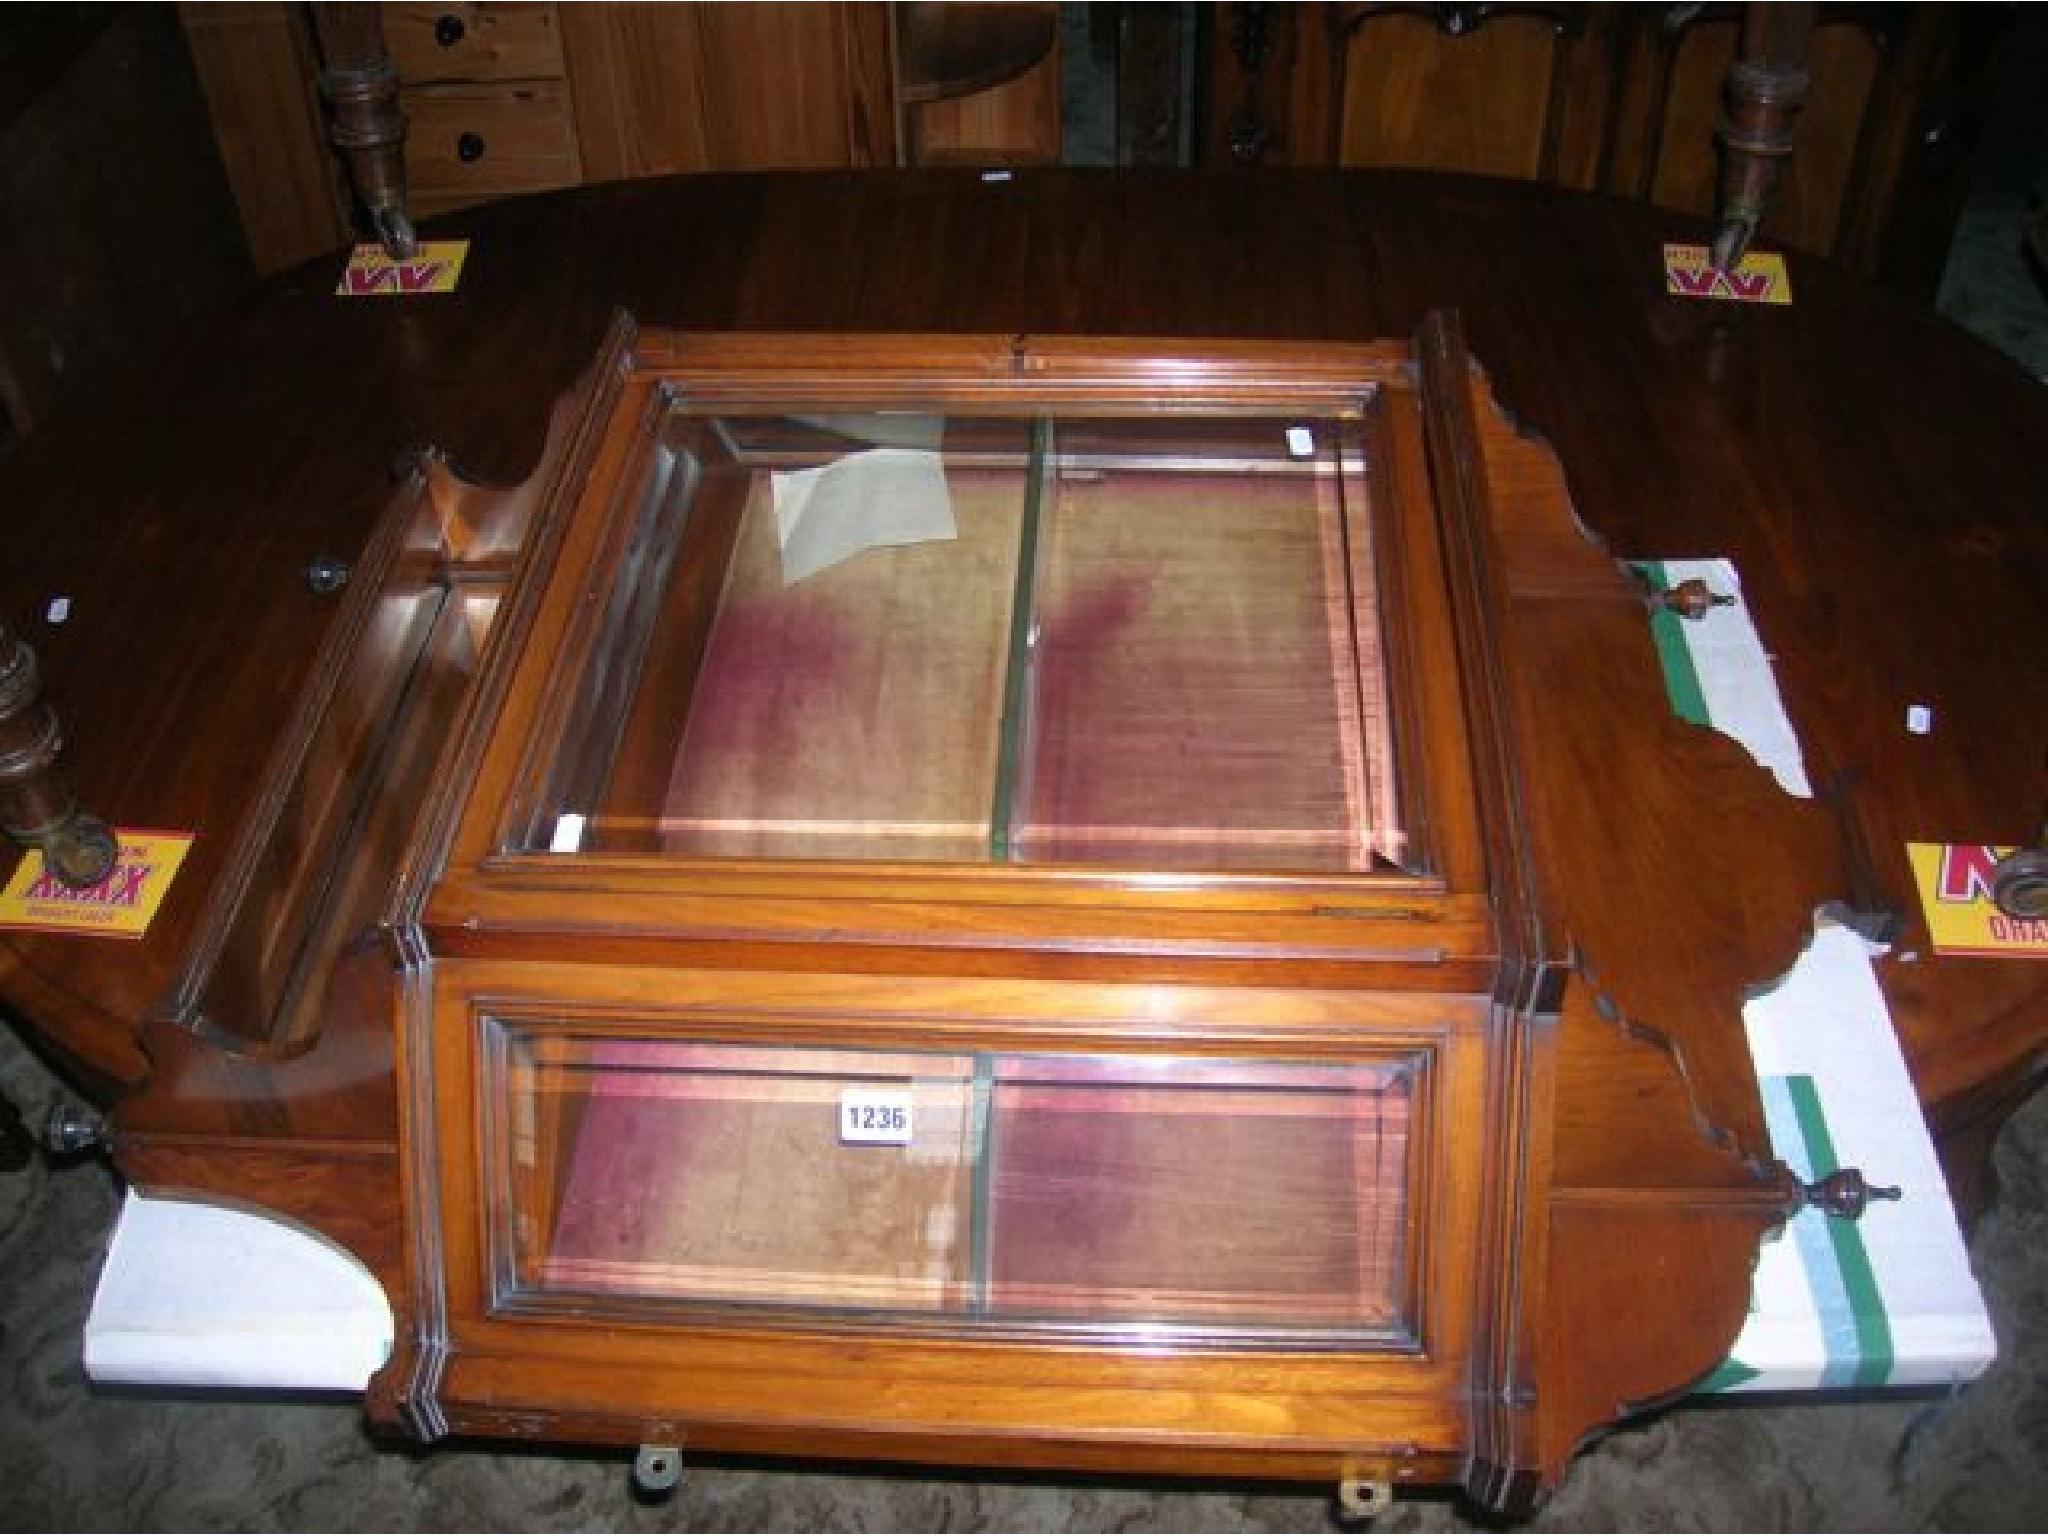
(662, 1169)
(1175, 1192)
(1108, 1192)
(1141, 641)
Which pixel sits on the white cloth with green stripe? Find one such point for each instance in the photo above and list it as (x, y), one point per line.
(1718, 673)
(1888, 1300)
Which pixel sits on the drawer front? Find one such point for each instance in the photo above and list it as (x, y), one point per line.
(466, 143)
(442, 44)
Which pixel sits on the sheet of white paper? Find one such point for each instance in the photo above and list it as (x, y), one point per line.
(194, 1294)
(886, 496)
(1736, 681)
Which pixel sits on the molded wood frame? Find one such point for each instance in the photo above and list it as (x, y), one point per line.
(1558, 1102)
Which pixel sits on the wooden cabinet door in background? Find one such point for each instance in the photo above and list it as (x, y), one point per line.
(1617, 98)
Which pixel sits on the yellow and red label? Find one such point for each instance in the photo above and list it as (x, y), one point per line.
(120, 906)
(371, 273)
(1759, 278)
(1954, 880)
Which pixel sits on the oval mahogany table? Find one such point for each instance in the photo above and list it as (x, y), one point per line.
(1873, 472)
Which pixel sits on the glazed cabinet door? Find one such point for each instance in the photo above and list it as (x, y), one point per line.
(1619, 98)
(649, 1185)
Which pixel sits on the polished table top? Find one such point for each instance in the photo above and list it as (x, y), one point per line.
(1873, 472)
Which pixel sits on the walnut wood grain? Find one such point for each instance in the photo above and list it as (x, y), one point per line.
(667, 88)
(464, 41)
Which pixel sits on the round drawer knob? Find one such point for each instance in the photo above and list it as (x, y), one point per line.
(448, 30)
(326, 574)
(469, 148)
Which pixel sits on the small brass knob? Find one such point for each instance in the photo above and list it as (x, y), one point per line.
(1691, 599)
(325, 574)
(74, 1128)
(1846, 1193)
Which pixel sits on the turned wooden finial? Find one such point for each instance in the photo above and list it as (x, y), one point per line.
(359, 81)
(1766, 88)
(36, 808)
(1845, 1194)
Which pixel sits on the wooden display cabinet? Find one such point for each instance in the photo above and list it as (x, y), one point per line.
(1026, 903)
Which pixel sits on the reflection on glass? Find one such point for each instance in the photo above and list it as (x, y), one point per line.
(1136, 642)
(717, 1172)
(1110, 1191)
(1235, 1194)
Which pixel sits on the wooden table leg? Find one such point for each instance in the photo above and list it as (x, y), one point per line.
(36, 808)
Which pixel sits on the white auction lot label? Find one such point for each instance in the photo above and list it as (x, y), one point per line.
(875, 1116)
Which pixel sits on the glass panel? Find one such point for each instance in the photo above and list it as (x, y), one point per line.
(1168, 1192)
(720, 1172)
(1198, 699)
(1148, 643)
(1025, 1191)
(855, 710)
